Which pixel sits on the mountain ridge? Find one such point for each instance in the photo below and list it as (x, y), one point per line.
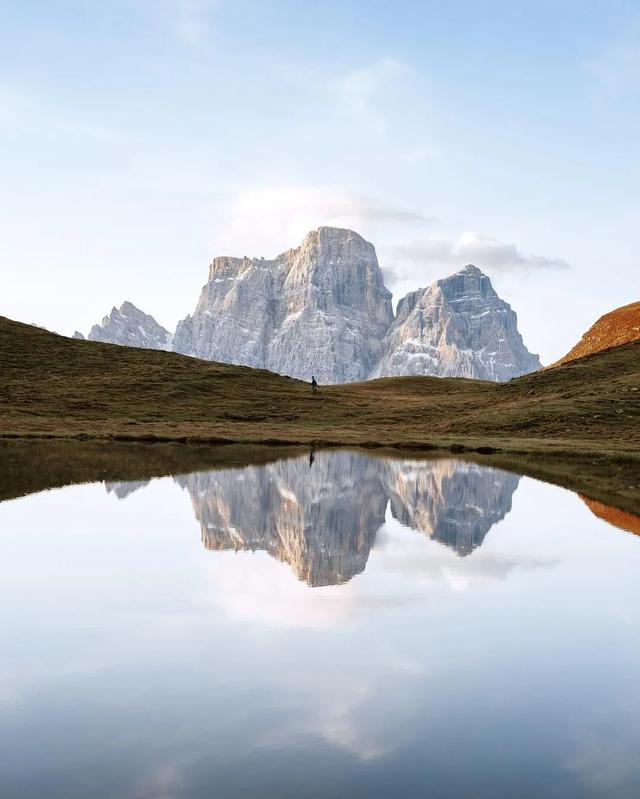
(322, 308)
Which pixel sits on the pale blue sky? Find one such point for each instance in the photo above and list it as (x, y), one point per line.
(139, 138)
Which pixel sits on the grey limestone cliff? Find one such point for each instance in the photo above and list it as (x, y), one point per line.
(320, 309)
(458, 327)
(131, 327)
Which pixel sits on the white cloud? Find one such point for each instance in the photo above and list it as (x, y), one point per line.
(190, 20)
(380, 97)
(268, 220)
(435, 257)
(193, 20)
(359, 88)
(616, 69)
(15, 106)
(21, 111)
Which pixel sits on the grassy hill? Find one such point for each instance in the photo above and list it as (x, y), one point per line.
(611, 330)
(52, 386)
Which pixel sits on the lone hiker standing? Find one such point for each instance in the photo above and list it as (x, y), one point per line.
(314, 385)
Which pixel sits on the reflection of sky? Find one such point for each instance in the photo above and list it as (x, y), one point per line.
(134, 657)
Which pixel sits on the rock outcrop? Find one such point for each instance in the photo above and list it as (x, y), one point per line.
(611, 330)
(131, 327)
(322, 309)
(319, 309)
(458, 327)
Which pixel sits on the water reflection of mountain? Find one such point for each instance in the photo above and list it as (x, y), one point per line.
(123, 489)
(452, 502)
(322, 517)
(321, 520)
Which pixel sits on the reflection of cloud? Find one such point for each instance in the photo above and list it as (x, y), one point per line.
(402, 570)
(607, 758)
(255, 587)
(399, 551)
(165, 781)
(354, 712)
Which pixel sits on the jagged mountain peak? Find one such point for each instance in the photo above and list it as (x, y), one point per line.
(468, 269)
(457, 327)
(322, 308)
(131, 327)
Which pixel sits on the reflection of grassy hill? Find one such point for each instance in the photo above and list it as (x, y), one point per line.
(615, 516)
(54, 386)
(31, 465)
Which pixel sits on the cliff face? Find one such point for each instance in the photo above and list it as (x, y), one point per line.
(611, 330)
(131, 327)
(319, 309)
(458, 327)
(322, 309)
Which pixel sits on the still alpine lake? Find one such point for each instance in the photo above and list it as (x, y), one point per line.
(334, 624)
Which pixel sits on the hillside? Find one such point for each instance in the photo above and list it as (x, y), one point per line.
(611, 330)
(55, 386)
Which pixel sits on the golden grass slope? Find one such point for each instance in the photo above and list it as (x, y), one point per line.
(611, 330)
(54, 386)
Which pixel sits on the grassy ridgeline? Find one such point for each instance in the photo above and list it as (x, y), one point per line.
(54, 386)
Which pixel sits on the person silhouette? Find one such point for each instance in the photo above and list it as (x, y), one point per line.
(314, 385)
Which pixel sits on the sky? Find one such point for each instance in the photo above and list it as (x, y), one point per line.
(141, 138)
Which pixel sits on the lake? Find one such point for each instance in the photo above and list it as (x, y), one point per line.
(334, 623)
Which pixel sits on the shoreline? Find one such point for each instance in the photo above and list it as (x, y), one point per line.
(39, 463)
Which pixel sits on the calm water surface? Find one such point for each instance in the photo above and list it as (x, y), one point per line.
(334, 625)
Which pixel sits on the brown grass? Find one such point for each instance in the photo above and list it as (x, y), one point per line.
(53, 386)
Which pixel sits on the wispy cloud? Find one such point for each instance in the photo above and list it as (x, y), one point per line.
(190, 20)
(486, 252)
(15, 106)
(370, 94)
(359, 88)
(616, 70)
(193, 20)
(615, 67)
(269, 219)
(22, 110)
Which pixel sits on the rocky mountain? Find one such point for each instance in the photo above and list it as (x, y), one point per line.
(458, 327)
(131, 327)
(611, 330)
(320, 309)
(321, 514)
